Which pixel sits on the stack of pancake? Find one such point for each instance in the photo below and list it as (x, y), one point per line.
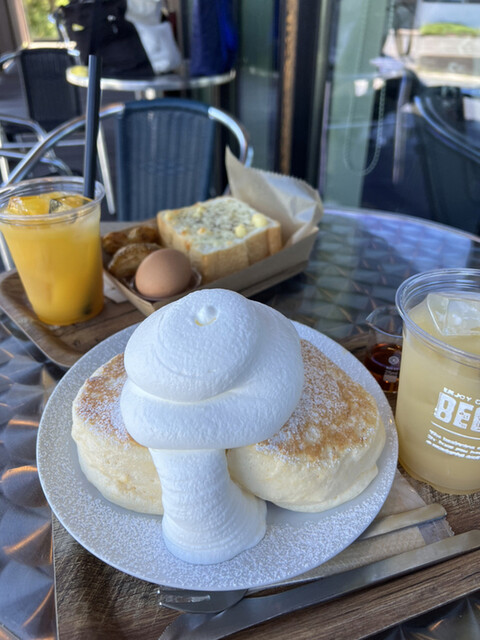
(325, 454)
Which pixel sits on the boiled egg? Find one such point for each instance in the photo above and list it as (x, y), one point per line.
(163, 273)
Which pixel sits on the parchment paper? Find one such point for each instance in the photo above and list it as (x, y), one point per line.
(294, 203)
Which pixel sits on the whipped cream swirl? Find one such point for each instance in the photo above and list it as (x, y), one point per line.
(213, 369)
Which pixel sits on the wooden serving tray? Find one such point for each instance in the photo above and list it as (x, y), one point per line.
(63, 345)
(95, 600)
(98, 602)
(249, 281)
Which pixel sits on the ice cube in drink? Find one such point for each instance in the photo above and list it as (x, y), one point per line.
(65, 202)
(455, 315)
(37, 205)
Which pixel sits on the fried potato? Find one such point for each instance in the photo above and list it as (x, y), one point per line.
(114, 240)
(143, 233)
(125, 261)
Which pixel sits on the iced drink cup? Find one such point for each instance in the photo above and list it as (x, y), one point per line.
(438, 404)
(53, 235)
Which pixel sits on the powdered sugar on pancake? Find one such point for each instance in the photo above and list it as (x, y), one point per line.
(330, 404)
(326, 453)
(98, 403)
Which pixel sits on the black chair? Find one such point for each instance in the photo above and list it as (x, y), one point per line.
(47, 96)
(166, 153)
(450, 154)
(50, 99)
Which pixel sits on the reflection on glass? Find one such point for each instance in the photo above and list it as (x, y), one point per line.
(402, 121)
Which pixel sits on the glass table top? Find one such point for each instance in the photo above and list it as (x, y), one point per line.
(357, 263)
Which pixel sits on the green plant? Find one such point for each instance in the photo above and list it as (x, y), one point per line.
(448, 29)
(37, 13)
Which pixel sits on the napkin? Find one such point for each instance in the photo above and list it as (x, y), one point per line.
(402, 497)
(294, 203)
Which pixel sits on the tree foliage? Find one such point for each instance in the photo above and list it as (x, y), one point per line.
(448, 29)
(39, 24)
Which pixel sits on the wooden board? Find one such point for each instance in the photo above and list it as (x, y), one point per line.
(96, 601)
(63, 345)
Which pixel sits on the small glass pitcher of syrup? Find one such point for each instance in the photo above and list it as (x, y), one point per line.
(384, 346)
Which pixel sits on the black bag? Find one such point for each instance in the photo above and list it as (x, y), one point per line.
(99, 27)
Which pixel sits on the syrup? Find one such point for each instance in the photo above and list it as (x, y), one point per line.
(383, 362)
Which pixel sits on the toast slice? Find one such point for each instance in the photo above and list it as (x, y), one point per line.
(220, 236)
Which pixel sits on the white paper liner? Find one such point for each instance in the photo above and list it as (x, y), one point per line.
(294, 203)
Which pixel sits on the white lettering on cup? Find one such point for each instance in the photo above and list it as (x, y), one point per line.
(445, 406)
(476, 420)
(463, 415)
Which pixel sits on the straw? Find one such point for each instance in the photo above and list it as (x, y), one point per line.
(91, 131)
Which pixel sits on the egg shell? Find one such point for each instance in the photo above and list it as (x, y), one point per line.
(163, 273)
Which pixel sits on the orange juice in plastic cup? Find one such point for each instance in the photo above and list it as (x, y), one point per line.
(438, 403)
(53, 234)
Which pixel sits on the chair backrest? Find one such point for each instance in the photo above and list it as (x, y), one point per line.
(451, 162)
(165, 154)
(50, 99)
(161, 164)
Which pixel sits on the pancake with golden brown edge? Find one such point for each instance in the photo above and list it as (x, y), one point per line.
(326, 453)
(120, 468)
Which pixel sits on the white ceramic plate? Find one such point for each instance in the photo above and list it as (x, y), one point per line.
(132, 542)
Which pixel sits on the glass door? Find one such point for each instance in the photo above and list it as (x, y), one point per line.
(400, 127)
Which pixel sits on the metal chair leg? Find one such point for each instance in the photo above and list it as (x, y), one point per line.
(105, 170)
(5, 257)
